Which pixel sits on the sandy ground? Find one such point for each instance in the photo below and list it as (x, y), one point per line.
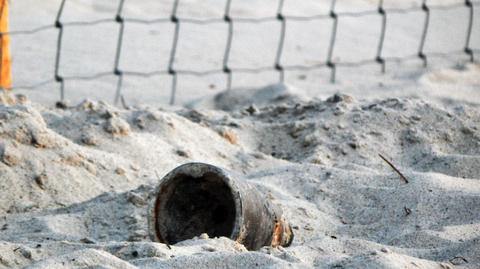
(76, 182)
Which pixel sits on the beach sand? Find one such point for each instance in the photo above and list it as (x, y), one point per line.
(77, 181)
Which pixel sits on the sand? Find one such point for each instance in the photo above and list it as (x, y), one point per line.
(76, 182)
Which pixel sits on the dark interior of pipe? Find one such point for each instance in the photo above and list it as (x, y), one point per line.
(194, 206)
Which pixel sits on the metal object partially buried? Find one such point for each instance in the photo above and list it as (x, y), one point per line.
(197, 198)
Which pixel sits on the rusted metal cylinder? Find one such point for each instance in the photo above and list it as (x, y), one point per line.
(197, 198)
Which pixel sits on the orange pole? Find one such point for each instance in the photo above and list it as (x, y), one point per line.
(5, 61)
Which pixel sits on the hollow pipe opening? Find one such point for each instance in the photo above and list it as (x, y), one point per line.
(188, 206)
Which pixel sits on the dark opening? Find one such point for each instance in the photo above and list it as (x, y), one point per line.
(196, 205)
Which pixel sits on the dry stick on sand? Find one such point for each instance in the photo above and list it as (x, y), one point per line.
(394, 168)
(457, 260)
(408, 211)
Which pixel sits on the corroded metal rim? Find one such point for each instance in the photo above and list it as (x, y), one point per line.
(195, 170)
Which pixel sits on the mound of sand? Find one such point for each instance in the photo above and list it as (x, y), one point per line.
(76, 182)
(244, 97)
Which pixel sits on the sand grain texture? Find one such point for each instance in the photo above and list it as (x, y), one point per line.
(76, 182)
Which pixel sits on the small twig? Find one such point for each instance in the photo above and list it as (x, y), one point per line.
(455, 259)
(394, 168)
(168, 246)
(408, 211)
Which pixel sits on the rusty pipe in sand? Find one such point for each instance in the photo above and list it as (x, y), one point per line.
(197, 198)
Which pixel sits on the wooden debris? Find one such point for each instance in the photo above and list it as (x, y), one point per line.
(394, 168)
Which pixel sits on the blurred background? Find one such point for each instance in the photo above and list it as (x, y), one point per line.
(89, 45)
